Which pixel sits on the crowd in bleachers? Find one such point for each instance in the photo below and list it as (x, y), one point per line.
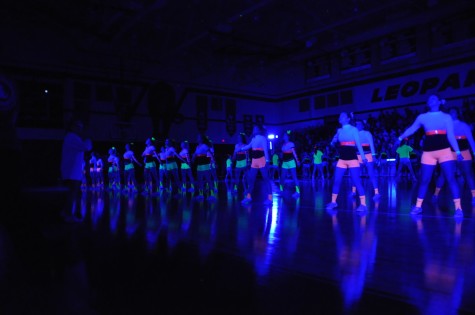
(385, 127)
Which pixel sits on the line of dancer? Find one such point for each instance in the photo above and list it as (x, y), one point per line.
(448, 142)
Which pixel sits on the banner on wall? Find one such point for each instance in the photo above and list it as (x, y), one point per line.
(202, 113)
(247, 122)
(231, 117)
(260, 119)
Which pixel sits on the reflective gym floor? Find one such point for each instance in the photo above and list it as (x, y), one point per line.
(136, 254)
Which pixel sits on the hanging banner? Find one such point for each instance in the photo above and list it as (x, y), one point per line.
(231, 117)
(247, 122)
(202, 113)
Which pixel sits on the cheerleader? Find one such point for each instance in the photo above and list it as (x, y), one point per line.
(439, 132)
(186, 173)
(349, 140)
(367, 143)
(129, 170)
(162, 169)
(290, 162)
(240, 158)
(464, 137)
(214, 176)
(172, 166)
(150, 170)
(203, 168)
(99, 169)
(260, 159)
(113, 170)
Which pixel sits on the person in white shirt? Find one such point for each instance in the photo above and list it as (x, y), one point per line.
(72, 161)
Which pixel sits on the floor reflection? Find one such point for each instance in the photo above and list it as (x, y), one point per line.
(138, 253)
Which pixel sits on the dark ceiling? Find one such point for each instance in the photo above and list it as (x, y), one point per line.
(190, 40)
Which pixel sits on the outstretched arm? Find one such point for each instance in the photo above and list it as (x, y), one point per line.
(412, 129)
(247, 146)
(335, 138)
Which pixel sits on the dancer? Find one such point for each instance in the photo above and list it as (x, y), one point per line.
(150, 170)
(404, 151)
(260, 159)
(99, 170)
(464, 137)
(290, 162)
(129, 170)
(203, 168)
(349, 140)
(439, 131)
(186, 172)
(172, 166)
(241, 158)
(162, 169)
(367, 143)
(214, 176)
(113, 170)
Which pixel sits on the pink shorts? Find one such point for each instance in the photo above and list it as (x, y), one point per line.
(437, 156)
(347, 163)
(259, 162)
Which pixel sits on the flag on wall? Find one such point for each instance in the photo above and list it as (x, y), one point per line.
(231, 117)
(202, 113)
